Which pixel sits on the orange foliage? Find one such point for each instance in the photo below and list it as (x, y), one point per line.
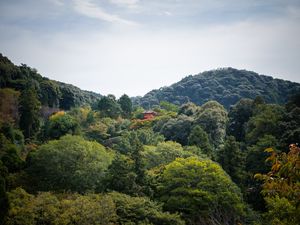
(284, 178)
(56, 115)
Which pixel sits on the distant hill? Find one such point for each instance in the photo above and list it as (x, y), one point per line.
(226, 86)
(51, 93)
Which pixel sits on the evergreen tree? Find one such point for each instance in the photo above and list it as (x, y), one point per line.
(121, 176)
(126, 105)
(29, 110)
(136, 155)
(109, 107)
(239, 115)
(200, 138)
(3, 195)
(232, 159)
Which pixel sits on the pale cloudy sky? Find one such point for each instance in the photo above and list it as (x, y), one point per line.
(134, 46)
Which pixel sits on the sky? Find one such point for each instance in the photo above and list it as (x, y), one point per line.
(134, 46)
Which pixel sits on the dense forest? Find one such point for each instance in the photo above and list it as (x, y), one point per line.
(226, 86)
(225, 153)
(53, 94)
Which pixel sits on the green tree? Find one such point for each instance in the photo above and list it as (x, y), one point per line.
(202, 191)
(290, 123)
(70, 163)
(90, 209)
(256, 163)
(19, 213)
(121, 176)
(29, 112)
(200, 138)
(50, 93)
(239, 115)
(59, 125)
(67, 209)
(141, 210)
(168, 106)
(109, 107)
(126, 105)
(3, 195)
(11, 145)
(163, 153)
(232, 160)
(11, 158)
(170, 129)
(136, 155)
(212, 117)
(145, 135)
(264, 122)
(148, 137)
(189, 109)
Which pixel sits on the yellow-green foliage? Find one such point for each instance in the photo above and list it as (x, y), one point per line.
(201, 190)
(163, 153)
(47, 208)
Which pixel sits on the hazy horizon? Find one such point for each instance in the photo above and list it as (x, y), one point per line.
(134, 46)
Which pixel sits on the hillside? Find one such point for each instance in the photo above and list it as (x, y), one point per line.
(51, 93)
(115, 164)
(227, 86)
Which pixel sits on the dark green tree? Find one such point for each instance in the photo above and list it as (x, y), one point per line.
(136, 155)
(290, 123)
(50, 93)
(67, 100)
(171, 129)
(29, 112)
(200, 138)
(109, 107)
(256, 163)
(121, 176)
(239, 115)
(265, 121)
(126, 106)
(3, 195)
(232, 160)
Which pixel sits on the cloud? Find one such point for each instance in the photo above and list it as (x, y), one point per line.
(57, 2)
(167, 13)
(127, 3)
(134, 60)
(89, 9)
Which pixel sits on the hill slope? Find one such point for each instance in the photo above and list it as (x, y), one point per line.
(225, 85)
(51, 93)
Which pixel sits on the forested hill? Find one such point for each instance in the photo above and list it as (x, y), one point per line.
(227, 86)
(51, 93)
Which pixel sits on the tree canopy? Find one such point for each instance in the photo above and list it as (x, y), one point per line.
(70, 163)
(202, 191)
